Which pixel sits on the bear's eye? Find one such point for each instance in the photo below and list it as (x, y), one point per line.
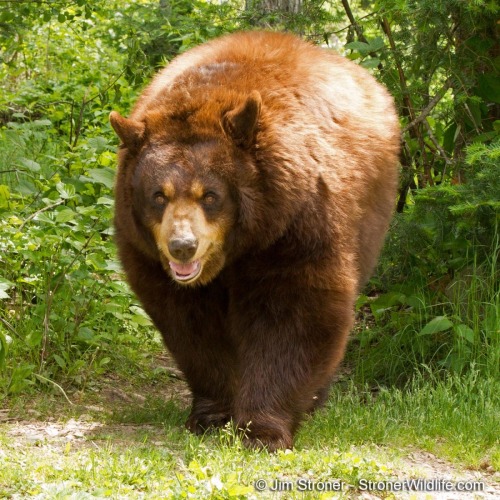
(209, 198)
(160, 199)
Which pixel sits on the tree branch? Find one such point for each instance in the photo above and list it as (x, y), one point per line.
(34, 214)
(425, 112)
(438, 146)
(354, 24)
(402, 79)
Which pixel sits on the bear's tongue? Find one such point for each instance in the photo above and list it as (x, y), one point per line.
(185, 271)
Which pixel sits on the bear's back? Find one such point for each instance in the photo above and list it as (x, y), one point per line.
(257, 56)
(286, 71)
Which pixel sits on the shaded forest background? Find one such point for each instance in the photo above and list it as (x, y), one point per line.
(66, 315)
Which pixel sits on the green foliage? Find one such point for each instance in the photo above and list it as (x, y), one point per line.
(449, 227)
(65, 312)
(440, 265)
(439, 60)
(64, 307)
(151, 33)
(455, 415)
(314, 19)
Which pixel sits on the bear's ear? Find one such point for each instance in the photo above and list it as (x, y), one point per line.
(241, 122)
(131, 132)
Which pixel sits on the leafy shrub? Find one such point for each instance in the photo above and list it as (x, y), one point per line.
(64, 306)
(65, 311)
(440, 267)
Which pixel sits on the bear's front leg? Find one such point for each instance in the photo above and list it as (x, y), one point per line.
(192, 322)
(290, 341)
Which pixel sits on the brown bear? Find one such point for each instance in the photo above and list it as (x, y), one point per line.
(257, 176)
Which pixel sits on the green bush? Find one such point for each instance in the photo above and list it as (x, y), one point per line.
(441, 275)
(64, 306)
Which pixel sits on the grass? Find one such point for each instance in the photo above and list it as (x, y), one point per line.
(141, 450)
(457, 418)
(204, 468)
(176, 465)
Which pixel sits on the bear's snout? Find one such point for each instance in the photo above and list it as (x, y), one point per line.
(183, 248)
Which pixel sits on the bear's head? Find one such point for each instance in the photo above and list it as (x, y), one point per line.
(180, 193)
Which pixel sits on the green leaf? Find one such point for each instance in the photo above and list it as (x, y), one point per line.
(371, 63)
(361, 301)
(66, 191)
(90, 210)
(100, 144)
(464, 332)
(42, 123)
(3, 350)
(361, 47)
(105, 200)
(438, 324)
(34, 338)
(104, 176)
(60, 361)
(85, 334)
(65, 215)
(19, 379)
(4, 196)
(96, 261)
(31, 165)
(104, 361)
(45, 217)
(141, 320)
(389, 299)
(376, 44)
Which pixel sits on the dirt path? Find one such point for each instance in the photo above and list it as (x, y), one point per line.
(44, 437)
(40, 429)
(54, 436)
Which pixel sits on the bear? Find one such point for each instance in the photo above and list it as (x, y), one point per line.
(257, 175)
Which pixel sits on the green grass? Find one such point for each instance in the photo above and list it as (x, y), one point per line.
(181, 466)
(142, 450)
(448, 325)
(457, 418)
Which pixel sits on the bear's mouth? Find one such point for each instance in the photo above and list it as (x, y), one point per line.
(185, 272)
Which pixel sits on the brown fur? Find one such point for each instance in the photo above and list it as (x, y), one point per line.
(275, 162)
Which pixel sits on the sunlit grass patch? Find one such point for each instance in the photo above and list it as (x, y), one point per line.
(203, 468)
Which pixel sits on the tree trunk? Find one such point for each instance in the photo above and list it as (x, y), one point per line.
(267, 6)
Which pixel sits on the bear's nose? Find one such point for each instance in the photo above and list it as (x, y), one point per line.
(182, 248)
